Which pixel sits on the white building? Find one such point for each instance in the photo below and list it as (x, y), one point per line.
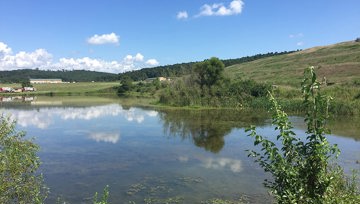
(46, 81)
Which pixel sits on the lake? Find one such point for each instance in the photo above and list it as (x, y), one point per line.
(154, 155)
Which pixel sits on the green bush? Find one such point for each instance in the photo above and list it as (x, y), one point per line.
(300, 167)
(19, 181)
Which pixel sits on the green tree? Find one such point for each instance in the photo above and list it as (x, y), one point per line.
(300, 168)
(26, 83)
(126, 85)
(209, 72)
(19, 182)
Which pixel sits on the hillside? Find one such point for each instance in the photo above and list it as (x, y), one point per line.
(177, 70)
(340, 63)
(18, 76)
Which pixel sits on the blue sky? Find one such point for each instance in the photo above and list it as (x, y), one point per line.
(122, 35)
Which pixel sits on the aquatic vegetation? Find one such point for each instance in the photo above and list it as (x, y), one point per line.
(159, 190)
(171, 200)
(135, 188)
(222, 201)
(104, 198)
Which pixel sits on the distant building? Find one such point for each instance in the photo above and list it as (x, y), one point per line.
(163, 79)
(6, 89)
(159, 78)
(46, 81)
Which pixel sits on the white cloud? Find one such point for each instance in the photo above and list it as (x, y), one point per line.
(35, 59)
(152, 62)
(300, 43)
(234, 8)
(111, 38)
(4, 50)
(41, 59)
(129, 59)
(87, 63)
(139, 57)
(182, 15)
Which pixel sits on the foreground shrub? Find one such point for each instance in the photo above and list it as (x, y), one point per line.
(301, 168)
(19, 182)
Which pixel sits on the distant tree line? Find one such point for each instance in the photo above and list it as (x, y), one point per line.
(229, 62)
(177, 70)
(19, 76)
(174, 70)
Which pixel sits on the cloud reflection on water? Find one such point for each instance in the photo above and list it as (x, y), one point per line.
(234, 165)
(105, 137)
(43, 117)
(222, 163)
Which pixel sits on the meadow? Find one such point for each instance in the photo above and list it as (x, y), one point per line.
(79, 88)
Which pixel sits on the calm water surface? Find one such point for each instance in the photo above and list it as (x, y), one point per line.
(154, 156)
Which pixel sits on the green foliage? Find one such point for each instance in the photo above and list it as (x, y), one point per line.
(144, 88)
(26, 83)
(126, 85)
(19, 182)
(209, 72)
(104, 198)
(300, 169)
(186, 91)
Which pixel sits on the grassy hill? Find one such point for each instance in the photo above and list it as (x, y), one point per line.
(340, 63)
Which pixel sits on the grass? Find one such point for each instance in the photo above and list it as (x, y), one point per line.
(339, 63)
(80, 88)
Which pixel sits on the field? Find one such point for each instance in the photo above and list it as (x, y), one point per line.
(339, 63)
(80, 88)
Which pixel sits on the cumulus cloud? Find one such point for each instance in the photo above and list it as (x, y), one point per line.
(4, 50)
(41, 59)
(182, 15)
(128, 63)
(300, 43)
(111, 38)
(35, 59)
(139, 57)
(87, 63)
(219, 9)
(152, 62)
(129, 59)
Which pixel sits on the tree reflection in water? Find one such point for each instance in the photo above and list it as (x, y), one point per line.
(207, 128)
